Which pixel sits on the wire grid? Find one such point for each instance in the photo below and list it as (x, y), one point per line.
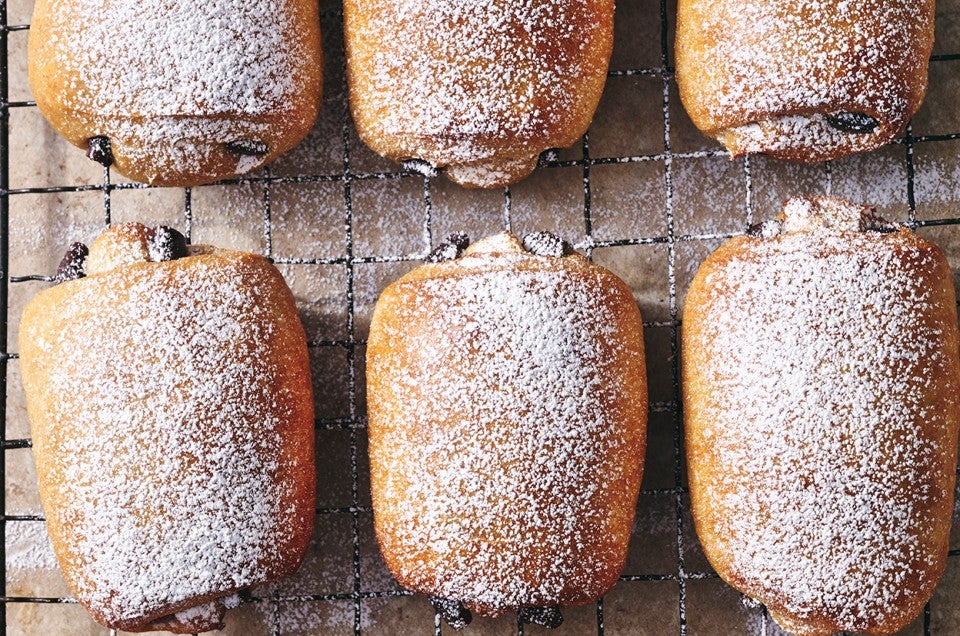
(354, 424)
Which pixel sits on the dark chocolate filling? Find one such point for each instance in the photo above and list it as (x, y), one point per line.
(877, 225)
(166, 244)
(858, 123)
(889, 228)
(420, 167)
(549, 617)
(547, 157)
(98, 149)
(749, 603)
(766, 229)
(546, 244)
(452, 612)
(451, 249)
(247, 148)
(73, 264)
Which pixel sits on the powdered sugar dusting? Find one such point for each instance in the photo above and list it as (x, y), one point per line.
(507, 473)
(832, 445)
(28, 548)
(790, 132)
(768, 72)
(179, 56)
(167, 490)
(168, 83)
(469, 75)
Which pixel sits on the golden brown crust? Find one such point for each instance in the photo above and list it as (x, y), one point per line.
(140, 75)
(506, 433)
(820, 381)
(172, 420)
(764, 77)
(480, 91)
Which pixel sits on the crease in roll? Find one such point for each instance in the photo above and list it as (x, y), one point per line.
(803, 81)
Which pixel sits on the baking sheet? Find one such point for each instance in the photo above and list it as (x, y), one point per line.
(645, 194)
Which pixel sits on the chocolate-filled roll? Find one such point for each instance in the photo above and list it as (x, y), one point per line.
(507, 405)
(821, 397)
(182, 92)
(171, 411)
(803, 80)
(477, 88)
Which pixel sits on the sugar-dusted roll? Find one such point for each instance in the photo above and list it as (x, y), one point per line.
(168, 390)
(182, 92)
(480, 89)
(507, 406)
(820, 391)
(803, 80)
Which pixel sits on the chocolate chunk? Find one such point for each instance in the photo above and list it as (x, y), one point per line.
(871, 221)
(549, 617)
(450, 249)
(452, 612)
(748, 602)
(460, 239)
(767, 229)
(420, 167)
(73, 264)
(247, 148)
(546, 244)
(98, 149)
(166, 244)
(547, 157)
(877, 225)
(853, 122)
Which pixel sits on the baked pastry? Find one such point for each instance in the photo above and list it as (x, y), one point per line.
(480, 89)
(507, 406)
(171, 410)
(803, 80)
(820, 392)
(178, 93)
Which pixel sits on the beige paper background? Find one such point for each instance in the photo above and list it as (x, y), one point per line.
(659, 198)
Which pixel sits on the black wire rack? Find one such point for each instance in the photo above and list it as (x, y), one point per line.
(656, 220)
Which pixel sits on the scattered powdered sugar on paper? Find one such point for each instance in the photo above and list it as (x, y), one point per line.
(937, 184)
(821, 352)
(168, 490)
(879, 178)
(331, 617)
(459, 71)
(28, 547)
(505, 468)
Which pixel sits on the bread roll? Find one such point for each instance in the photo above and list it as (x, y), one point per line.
(507, 407)
(178, 93)
(172, 418)
(480, 89)
(803, 80)
(820, 391)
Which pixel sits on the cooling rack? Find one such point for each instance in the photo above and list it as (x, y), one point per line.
(642, 193)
